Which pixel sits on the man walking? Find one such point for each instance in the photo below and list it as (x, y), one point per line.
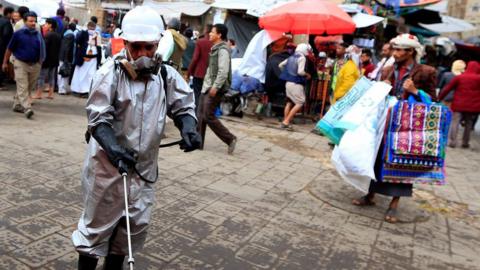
(126, 111)
(199, 64)
(217, 82)
(28, 47)
(48, 72)
(6, 33)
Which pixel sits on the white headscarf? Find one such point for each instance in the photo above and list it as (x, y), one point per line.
(303, 48)
(408, 41)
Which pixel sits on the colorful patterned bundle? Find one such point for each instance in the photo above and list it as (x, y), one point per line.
(415, 140)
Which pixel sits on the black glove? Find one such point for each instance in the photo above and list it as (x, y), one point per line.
(187, 125)
(120, 157)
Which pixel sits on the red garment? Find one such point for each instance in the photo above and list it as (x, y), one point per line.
(367, 69)
(466, 97)
(199, 64)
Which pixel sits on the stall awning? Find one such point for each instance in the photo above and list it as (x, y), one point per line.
(362, 20)
(116, 6)
(449, 25)
(231, 4)
(74, 3)
(176, 9)
(256, 8)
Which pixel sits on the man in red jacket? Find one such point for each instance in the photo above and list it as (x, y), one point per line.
(199, 64)
(466, 101)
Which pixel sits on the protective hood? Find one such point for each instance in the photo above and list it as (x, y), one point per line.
(473, 67)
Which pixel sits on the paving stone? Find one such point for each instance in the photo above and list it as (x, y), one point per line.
(31, 210)
(235, 232)
(7, 262)
(38, 228)
(184, 206)
(146, 262)
(210, 218)
(401, 245)
(4, 205)
(276, 204)
(378, 260)
(41, 252)
(67, 216)
(168, 245)
(222, 209)
(14, 240)
(194, 228)
(69, 261)
(205, 195)
(237, 264)
(260, 257)
(67, 232)
(187, 263)
(214, 251)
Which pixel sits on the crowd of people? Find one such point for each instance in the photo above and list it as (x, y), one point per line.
(57, 54)
(400, 66)
(195, 75)
(344, 65)
(54, 55)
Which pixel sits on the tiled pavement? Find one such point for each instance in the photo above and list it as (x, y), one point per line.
(276, 204)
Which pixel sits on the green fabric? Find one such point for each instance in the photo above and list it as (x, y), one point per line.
(214, 67)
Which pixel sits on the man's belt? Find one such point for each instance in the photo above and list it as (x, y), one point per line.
(89, 57)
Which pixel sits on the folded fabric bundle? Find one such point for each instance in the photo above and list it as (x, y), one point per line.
(415, 140)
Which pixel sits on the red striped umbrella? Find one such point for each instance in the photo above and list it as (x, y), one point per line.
(308, 17)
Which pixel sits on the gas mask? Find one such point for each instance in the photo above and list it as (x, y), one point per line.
(145, 66)
(141, 68)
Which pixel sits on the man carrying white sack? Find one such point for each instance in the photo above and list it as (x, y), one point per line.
(406, 76)
(127, 109)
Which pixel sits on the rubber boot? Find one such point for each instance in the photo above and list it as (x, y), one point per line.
(114, 262)
(87, 262)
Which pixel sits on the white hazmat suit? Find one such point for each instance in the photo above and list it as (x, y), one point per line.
(137, 112)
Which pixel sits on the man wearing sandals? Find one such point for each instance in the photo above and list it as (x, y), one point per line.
(406, 76)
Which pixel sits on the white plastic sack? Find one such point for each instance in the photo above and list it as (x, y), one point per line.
(354, 158)
(368, 102)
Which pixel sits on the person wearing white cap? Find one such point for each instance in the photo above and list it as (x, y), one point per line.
(293, 72)
(407, 77)
(129, 100)
(407, 73)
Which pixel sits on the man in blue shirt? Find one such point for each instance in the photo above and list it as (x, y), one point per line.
(59, 18)
(28, 48)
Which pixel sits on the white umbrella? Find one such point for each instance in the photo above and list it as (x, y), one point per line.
(360, 18)
(364, 20)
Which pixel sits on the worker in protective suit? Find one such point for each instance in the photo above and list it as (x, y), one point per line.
(127, 108)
